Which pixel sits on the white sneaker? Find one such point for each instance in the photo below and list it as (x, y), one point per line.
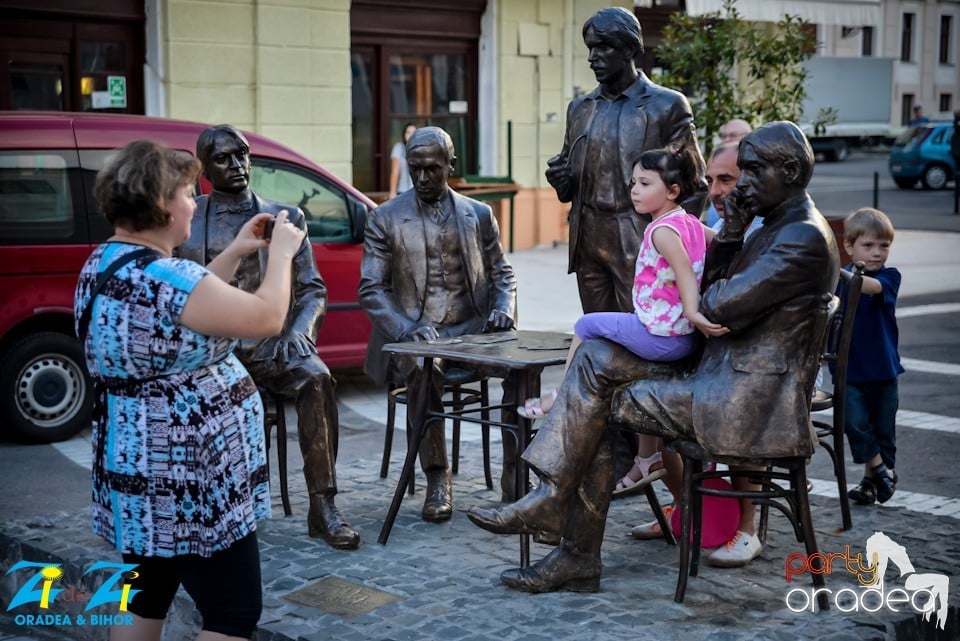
(738, 551)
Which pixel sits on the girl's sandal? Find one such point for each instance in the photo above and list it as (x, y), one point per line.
(628, 486)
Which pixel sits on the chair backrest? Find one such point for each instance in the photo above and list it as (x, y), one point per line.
(840, 333)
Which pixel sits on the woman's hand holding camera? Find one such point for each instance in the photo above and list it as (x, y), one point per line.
(285, 237)
(251, 236)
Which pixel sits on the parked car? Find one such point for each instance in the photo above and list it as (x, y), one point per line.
(923, 153)
(51, 223)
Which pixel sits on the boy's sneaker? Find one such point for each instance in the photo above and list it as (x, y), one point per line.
(886, 484)
(738, 551)
(864, 492)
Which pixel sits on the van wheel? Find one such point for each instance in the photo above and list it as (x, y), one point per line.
(45, 392)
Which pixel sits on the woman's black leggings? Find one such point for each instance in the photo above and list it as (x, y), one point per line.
(225, 586)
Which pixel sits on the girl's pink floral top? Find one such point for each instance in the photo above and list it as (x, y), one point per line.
(656, 297)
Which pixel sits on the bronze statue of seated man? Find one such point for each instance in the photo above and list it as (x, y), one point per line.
(288, 364)
(433, 267)
(748, 395)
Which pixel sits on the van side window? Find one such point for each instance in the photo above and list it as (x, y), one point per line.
(91, 162)
(323, 204)
(37, 198)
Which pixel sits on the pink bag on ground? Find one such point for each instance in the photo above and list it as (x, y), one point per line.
(721, 516)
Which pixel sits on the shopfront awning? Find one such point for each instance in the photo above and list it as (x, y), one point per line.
(851, 13)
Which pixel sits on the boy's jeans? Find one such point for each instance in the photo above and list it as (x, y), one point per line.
(870, 421)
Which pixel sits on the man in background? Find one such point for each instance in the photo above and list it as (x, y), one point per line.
(731, 133)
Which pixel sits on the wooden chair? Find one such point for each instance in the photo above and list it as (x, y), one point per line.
(783, 485)
(274, 416)
(835, 353)
(793, 500)
(464, 389)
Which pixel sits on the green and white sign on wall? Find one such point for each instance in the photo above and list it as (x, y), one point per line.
(117, 90)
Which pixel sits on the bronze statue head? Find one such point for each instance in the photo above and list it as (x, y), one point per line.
(776, 164)
(225, 155)
(431, 161)
(614, 41)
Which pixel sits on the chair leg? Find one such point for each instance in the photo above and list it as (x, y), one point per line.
(798, 479)
(665, 527)
(267, 428)
(841, 473)
(697, 504)
(686, 501)
(412, 485)
(282, 457)
(388, 433)
(455, 450)
(485, 431)
(764, 519)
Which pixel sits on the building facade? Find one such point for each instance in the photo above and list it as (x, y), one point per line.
(337, 80)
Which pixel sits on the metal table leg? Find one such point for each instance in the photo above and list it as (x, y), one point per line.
(420, 409)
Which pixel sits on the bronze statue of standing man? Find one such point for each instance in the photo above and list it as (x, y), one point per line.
(607, 129)
(287, 364)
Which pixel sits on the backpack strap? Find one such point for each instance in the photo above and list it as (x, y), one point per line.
(102, 279)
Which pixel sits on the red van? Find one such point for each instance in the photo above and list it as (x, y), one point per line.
(49, 224)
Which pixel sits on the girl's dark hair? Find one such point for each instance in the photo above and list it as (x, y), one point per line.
(136, 184)
(676, 166)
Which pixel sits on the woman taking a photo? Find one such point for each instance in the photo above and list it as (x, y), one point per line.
(179, 471)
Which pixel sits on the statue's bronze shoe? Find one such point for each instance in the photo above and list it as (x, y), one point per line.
(438, 504)
(559, 570)
(538, 513)
(325, 521)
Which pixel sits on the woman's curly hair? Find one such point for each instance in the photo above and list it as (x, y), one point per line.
(133, 189)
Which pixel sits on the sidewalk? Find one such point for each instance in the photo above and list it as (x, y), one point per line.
(441, 581)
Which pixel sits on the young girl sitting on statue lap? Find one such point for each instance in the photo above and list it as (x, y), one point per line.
(666, 290)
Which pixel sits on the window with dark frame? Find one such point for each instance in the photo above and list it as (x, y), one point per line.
(906, 108)
(946, 28)
(906, 38)
(866, 42)
(946, 102)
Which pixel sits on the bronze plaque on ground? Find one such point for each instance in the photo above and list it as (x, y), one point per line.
(341, 597)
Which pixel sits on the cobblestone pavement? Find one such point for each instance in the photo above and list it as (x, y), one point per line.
(446, 576)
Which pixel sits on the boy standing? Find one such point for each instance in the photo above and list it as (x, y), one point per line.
(874, 362)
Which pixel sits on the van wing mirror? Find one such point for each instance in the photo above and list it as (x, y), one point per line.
(358, 219)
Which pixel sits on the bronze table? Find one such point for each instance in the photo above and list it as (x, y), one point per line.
(492, 356)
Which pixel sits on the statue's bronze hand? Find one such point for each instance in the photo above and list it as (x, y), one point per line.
(293, 342)
(422, 333)
(559, 173)
(735, 219)
(498, 321)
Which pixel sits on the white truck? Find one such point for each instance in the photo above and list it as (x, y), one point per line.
(858, 92)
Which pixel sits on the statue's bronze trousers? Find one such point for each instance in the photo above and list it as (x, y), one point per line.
(574, 446)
